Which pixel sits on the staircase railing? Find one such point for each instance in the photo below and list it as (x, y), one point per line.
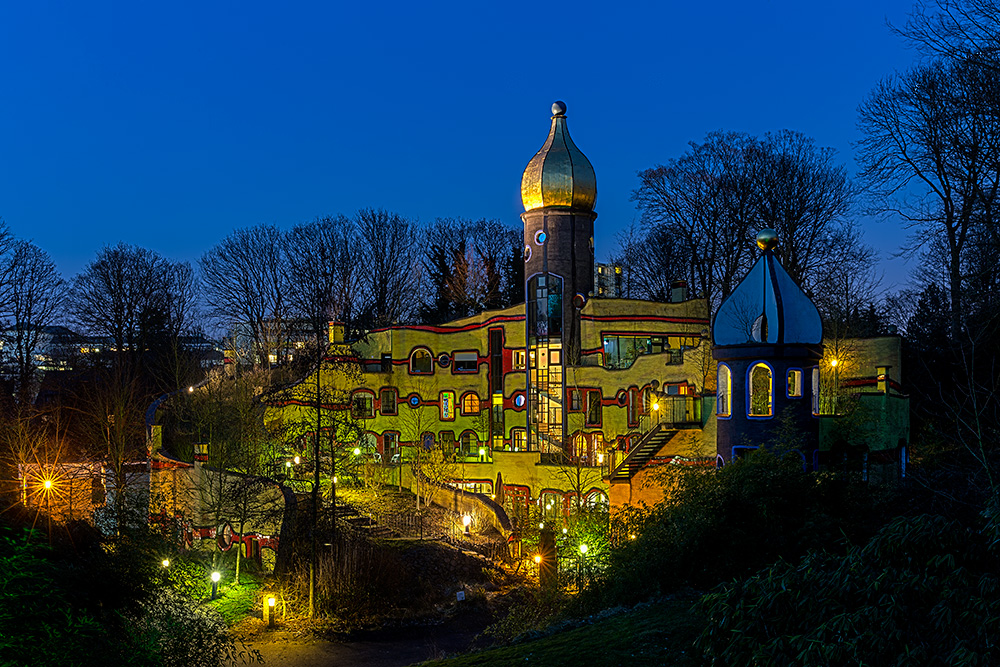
(617, 467)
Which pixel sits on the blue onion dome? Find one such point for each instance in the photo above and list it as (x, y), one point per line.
(767, 307)
(559, 174)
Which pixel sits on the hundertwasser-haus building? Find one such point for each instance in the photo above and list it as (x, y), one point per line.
(572, 393)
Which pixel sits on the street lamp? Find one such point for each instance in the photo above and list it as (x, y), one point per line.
(466, 520)
(297, 460)
(357, 451)
(165, 562)
(270, 609)
(215, 584)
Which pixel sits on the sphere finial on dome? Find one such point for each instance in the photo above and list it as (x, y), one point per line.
(767, 239)
(559, 175)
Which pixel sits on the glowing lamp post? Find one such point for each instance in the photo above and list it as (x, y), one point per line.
(165, 562)
(466, 521)
(583, 566)
(215, 584)
(357, 451)
(269, 610)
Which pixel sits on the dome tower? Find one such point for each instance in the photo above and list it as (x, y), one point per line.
(768, 340)
(558, 190)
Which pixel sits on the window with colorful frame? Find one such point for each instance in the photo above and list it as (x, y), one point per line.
(447, 402)
(724, 392)
(465, 362)
(390, 447)
(468, 444)
(470, 403)
(518, 360)
(593, 408)
(362, 405)
(760, 387)
(387, 401)
(575, 400)
(421, 362)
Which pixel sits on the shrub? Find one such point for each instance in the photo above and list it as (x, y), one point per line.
(716, 525)
(923, 591)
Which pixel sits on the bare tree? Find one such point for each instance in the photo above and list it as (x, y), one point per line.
(954, 28)
(390, 266)
(701, 212)
(36, 295)
(930, 153)
(323, 268)
(115, 296)
(245, 288)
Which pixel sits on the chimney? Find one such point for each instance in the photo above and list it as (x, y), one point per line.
(678, 291)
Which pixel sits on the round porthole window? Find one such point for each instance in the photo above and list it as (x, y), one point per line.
(413, 400)
(527, 253)
(540, 237)
(519, 400)
(444, 360)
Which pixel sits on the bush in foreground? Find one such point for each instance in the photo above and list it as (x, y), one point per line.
(923, 591)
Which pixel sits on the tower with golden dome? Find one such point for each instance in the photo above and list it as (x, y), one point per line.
(558, 190)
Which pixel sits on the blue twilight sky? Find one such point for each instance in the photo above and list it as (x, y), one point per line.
(168, 125)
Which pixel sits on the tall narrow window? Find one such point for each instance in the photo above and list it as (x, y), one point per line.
(794, 383)
(761, 390)
(724, 392)
(815, 390)
(593, 408)
(387, 401)
(519, 439)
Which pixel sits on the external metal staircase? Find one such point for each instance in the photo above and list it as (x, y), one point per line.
(647, 447)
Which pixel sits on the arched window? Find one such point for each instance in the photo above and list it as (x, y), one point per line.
(761, 389)
(470, 404)
(469, 444)
(421, 361)
(724, 392)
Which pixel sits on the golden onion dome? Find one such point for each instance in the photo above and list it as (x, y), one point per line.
(559, 174)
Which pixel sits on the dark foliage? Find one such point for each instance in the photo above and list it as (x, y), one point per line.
(730, 523)
(923, 591)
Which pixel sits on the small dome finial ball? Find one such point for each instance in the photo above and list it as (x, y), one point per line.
(767, 239)
(558, 108)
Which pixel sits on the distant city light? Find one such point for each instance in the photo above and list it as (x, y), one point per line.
(47, 484)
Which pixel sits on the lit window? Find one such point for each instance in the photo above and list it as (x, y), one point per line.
(470, 404)
(795, 383)
(421, 362)
(362, 406)
(761, 390)
(724, 392)
(387, 401)
(466, 362)
(518, 360)
(447, 399)
(519, 439)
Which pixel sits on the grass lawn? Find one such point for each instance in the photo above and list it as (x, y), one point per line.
(659, 634)
(235, 603)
